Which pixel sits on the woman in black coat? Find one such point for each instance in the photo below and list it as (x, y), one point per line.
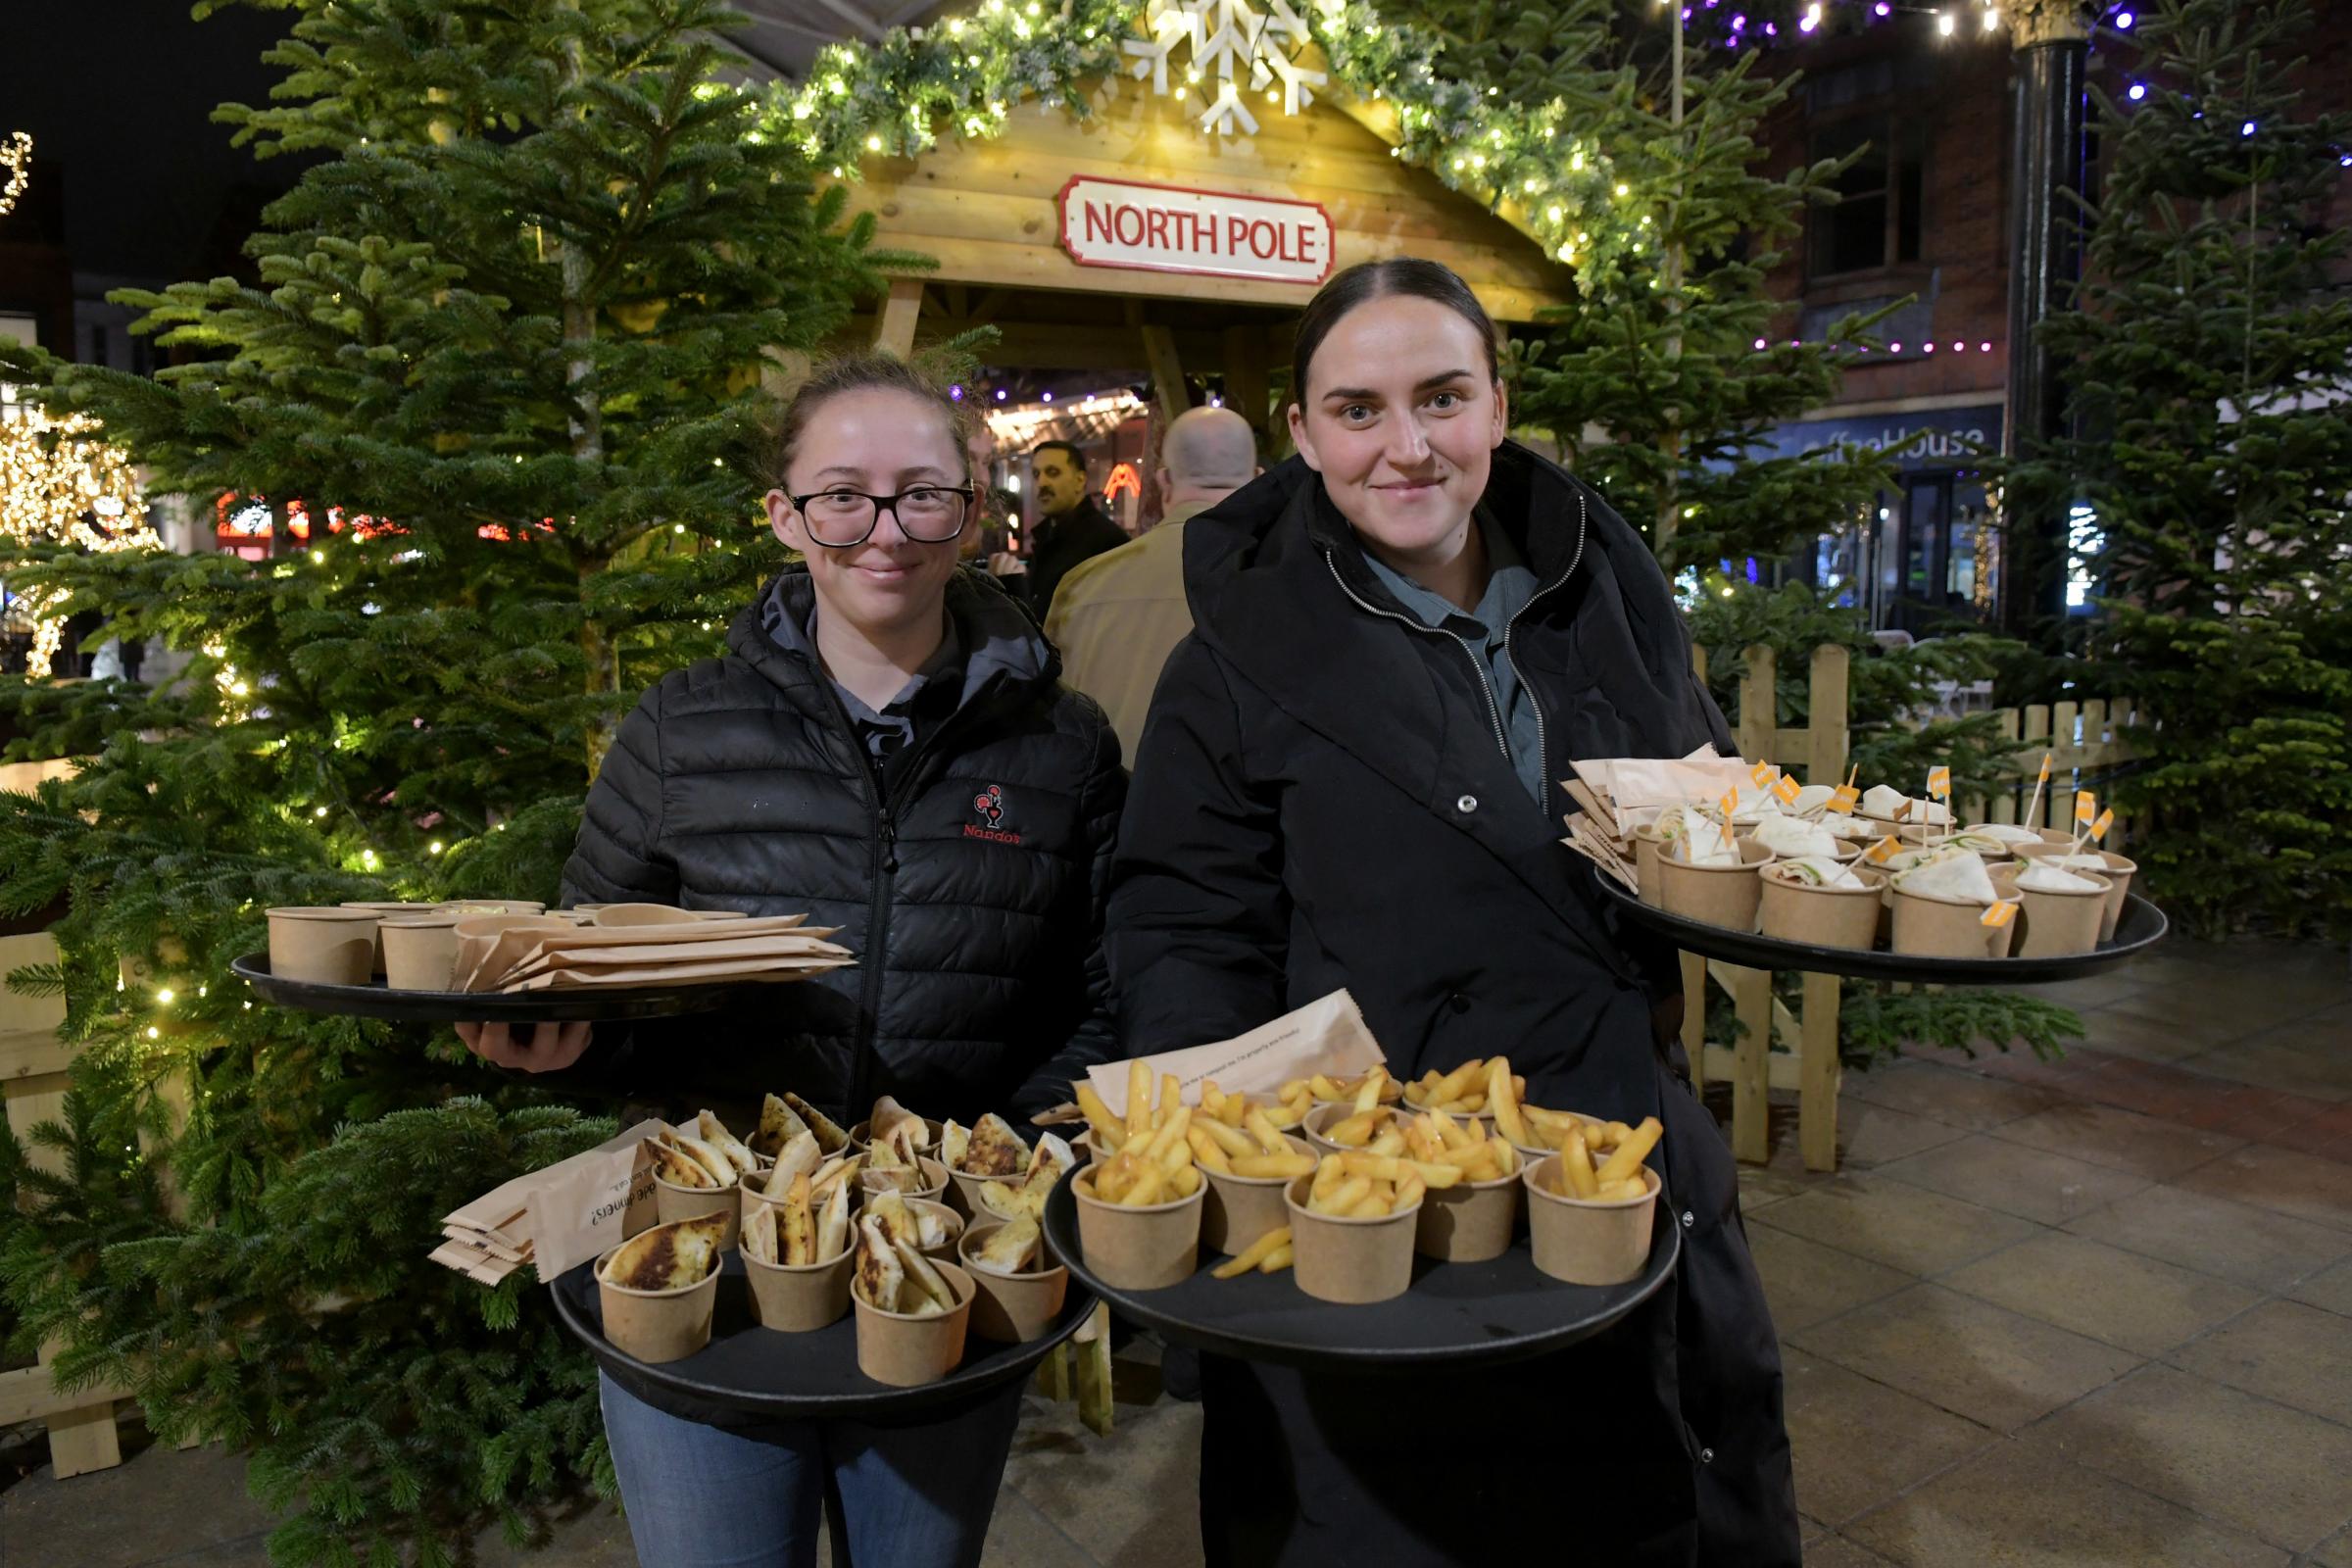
(886, 749)
(1348, 778)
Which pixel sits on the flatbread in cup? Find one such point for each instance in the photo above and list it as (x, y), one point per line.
(829, 1136)
(996, 1150)
(925, 1293)
(877, 1276)
(669, 1256)
(779, 1125)
(760, 1239)
(833, 1222)
(710, 1156)
(673, 1166)
(1012, 1249)
(714, 1132)
(797, 1158)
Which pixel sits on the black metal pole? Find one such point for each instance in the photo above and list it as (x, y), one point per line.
(2045, 262)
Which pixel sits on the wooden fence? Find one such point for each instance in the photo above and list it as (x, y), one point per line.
(2084, 740)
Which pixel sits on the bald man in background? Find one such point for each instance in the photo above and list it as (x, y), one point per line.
(1117, 616)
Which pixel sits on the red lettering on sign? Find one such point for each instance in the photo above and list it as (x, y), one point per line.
(1128, 225)
(1097, 223)
(1307, 244)
(1262, 240)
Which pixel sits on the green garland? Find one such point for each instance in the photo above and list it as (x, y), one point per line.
(964, 76)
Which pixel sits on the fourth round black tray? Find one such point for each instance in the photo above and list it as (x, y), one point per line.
(572, 1004)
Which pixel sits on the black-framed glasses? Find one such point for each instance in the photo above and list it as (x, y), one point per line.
(929, 513)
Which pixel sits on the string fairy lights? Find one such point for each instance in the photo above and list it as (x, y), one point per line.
(16, 168)
(63, 482)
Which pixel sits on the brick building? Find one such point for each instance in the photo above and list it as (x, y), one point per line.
(1925, 217)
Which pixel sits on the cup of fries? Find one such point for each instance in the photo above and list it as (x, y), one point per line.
(1475, 1219)
(1019, 1287)
(1592, 1226)
(1247, 1168)
(656, 1291)
(1353, 1223)
(1461, 1092)
(907, 1349)
(1139, 1224)
(1341, 1129)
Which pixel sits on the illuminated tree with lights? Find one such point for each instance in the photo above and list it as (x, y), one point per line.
(2212, 355)
(63, 482)
(517, 314)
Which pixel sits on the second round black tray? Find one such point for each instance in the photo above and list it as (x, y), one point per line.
(576, 1004)
(797, 1377)
(1454, 1314)
(2141, 926)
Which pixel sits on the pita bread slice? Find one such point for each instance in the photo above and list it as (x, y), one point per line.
(1053, 1150)
(907, 1140)
(996, 1150)
(668, 1258)
(886, 1156)
(714, 1132)
(833, 1223)
(954, 1138)
(799, 1157)
(829, 1136)
(1004, 1200)
(889, 1116)
(1012, 1249)
(673, 1166)
(778, 1126)
(890, 1179)
(926, 1293)
(838, 1172)
(709, 1156)
(890, 1212)
(797, 1224)
(877, 1276)
(760, 1237)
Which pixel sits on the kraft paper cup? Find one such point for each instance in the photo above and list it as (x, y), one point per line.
(420, 954)
(861, 1135)
(799, 1298)
(472, 907)
(674, 1202)
(1242, 1209)
(385, 910)
(906, 1351)
(1144, 1248)
(1331, 1115)
(326, 944)
(1825, 917)
(2055, 926)
(2118, 872)
(1930, 927)
(657, 1325)
(614, 915)
(1350, 1261)
(1586, 1241)
(1468, 1222)
(1013, 1308)
(1648, 847)
(1719, 895)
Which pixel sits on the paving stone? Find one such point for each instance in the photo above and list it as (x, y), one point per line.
(2030, 1183)
(1020, 1536)
(2123, 1140)
(2295, 1059)
(2297, 1354)
(2088, 1287)
(2331, 1290)
(1871, 1135)
(592, 1537)
(2253, 1246)
(1947, 1095)
(1806, 1282)
(2257, 1466)
(1896, 1223)
(159, 1500)
(2143, 1039)
(1836, 1552)
(2013, 1507)
(2217, 1013)
(1858, 1444)
(2334, 1553)
(2282, 1180)
(1967, 1356)
(1132, 1498)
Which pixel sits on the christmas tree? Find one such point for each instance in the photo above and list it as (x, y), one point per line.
(2211, 356)
(502, 374)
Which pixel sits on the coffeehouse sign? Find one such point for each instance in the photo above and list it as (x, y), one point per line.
(1170, 228)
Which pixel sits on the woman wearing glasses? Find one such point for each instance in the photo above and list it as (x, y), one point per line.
(886, 748)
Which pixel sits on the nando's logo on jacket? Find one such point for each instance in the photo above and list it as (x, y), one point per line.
(988, 808)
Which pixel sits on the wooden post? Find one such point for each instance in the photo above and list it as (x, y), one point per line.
(1167, 372)
(1817, 1105)
(1826, 732)
(894, 334)
(1751, 995)
(1759, 708)
(2037, 740)
(2062, 717)
(1246, 389)
(2005, 806)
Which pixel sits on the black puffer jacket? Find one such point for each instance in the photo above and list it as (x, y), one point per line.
(971, 888)
(1323, 799)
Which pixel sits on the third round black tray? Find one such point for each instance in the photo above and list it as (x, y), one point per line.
(572, 1005)
(2141, 927)
(1454, 1314)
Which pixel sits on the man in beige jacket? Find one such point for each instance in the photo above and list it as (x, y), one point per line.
(1116, 616)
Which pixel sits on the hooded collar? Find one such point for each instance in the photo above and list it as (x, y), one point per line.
(1002, 645)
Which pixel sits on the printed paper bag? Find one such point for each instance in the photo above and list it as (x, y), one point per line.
(1326, 1036)
(583, 1206)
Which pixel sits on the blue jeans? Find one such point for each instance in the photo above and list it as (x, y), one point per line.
(913, 1497)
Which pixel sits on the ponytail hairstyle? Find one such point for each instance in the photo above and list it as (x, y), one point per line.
(856, 372)
(1367, 282)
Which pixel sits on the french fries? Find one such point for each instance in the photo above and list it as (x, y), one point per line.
(1435, 1140)
(1619, 1176)
(1267, 1254)
(1221, 1115)
(1355, 1195)
(1461, 1092)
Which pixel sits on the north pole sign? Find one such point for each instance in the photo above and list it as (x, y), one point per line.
(1172, 229)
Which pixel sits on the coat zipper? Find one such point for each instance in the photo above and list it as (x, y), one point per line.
(1542, 749)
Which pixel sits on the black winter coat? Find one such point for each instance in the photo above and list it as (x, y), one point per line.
(1063, 543)
(968, 877)
(1323, 798)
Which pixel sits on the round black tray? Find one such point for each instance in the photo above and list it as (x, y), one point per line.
(811, 1376)
(1454, 1314)
(569, 1005)
(2141, 926)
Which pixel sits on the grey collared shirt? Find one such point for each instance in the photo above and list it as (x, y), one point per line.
(891, 730)
(1511, 584)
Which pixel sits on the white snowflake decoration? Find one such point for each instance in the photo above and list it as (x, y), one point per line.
(1223, 39)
